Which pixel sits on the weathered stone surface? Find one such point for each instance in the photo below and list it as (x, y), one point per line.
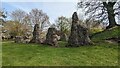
(26, 39)
(83, 36)
(79, 35)
(18, 39)
(73, 38)
(21, 39)
(51, 37)
(36, 34)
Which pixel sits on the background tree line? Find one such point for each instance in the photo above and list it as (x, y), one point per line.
(99, 16)
(22, 23)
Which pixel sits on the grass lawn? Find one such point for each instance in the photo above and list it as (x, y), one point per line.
(100, 54)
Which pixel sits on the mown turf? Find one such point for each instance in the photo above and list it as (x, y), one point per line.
(101, 54)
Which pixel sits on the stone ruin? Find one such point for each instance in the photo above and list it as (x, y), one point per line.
(22, 39)
(36, 34)
(18, 39)
(52, 37)
(79, 35)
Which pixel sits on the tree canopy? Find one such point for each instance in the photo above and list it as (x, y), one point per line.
(103, 11)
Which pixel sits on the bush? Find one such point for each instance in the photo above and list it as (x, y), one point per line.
(95, 30)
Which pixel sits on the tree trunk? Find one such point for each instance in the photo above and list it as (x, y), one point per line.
(111, 15)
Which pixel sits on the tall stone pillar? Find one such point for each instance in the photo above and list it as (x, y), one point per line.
(36, 34)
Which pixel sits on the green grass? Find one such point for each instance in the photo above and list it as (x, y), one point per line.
(101, 54)
(114, 32)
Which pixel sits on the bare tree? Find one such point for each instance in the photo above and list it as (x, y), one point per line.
(63, 24)
(22, 21)
(18, 15)
(39, 17)
(3, 15)
(27, 23)
(103, 11)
